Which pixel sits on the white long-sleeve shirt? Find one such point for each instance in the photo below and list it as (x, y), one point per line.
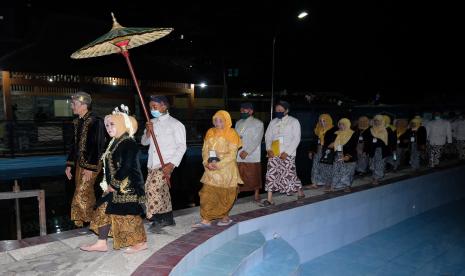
(287, 130)
(459, 130)
(439, 132)
(251, 132)
(171, 138)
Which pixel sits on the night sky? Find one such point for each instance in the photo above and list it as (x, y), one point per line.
(401, 48)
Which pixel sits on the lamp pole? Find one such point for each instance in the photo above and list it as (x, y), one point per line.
(272, 76)
(300, 16)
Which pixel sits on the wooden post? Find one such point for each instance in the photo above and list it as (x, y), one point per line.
(16, 189)
(6, 87)
(42, 213)
(191, 102)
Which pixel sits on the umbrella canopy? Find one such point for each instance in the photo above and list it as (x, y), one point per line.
(105, 45)
(120, 40)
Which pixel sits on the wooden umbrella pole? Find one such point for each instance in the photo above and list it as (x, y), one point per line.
(125, 53)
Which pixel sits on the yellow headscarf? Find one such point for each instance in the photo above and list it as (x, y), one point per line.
(387, 121)
(380, 132)
(227, 132)
(415, 123)
(401, 126)
(363, 123)
(320, 130)
(343, 136)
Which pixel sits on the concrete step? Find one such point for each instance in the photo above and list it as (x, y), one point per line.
(232, 257)
(280, 258)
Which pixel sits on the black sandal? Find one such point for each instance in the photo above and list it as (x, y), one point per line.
(266, 203)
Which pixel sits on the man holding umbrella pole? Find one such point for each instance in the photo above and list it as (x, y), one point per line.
(171, 138)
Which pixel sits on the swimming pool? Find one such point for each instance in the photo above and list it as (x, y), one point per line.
(411, 226)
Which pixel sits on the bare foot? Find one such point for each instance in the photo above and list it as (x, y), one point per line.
(99, 246)
(225, 219)
(136, 248)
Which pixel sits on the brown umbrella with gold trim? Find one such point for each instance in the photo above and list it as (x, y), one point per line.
(119, 40)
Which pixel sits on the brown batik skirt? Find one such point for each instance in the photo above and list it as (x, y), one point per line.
(157, 193)
(251, 174)
(82, 206)
(126, 230)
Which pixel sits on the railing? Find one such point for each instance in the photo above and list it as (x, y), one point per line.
(33, 137)
(113, 81)
(29, 137)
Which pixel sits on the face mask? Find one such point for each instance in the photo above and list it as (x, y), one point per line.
(279, 115)
(244, 115)
(437, 117)
(155, 113)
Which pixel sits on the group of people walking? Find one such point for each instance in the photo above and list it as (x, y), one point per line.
(374, 144)
(231, 157)
(126, 197)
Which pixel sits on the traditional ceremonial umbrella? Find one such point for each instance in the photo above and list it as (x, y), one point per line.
(119, 40)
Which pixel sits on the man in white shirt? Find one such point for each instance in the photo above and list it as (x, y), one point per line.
(250, 130)
(171, 138)
(459, 135)
(282, 137)
(438, 134)
(450, 150)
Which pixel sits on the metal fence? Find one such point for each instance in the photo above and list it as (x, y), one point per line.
(32, 137)
(28, 137)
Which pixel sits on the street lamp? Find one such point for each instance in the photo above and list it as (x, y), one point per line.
(300, 16)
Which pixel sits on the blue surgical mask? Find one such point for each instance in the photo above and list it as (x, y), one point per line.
(437, 117)
(279, 115)
(155, 113)
(244, 115)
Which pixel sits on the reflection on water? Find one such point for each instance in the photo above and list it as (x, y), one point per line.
(59, 193)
